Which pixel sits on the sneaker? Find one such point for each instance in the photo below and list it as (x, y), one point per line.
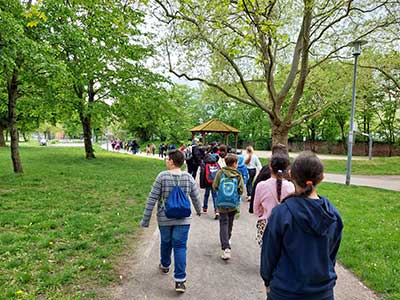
(248, 198)
(216, 216)
(204, 210)
(226, 254)
(163, 270)
(180, 287)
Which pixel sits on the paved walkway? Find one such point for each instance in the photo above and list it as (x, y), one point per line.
(208, 276)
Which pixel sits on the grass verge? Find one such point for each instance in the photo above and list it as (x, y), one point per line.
(371, 239)
(65, 220)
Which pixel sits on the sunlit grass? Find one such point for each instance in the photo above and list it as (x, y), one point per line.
(371, 239)
(64, 221)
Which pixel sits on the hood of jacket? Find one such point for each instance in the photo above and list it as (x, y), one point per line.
(314, 216)
(230, 172)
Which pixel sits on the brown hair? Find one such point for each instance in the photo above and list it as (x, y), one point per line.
(177, 157)
(223, 150)
(279, 148)
(231, 159)
(307, 171)
(249, 150)
(279, 164)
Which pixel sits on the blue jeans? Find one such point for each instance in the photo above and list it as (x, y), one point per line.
(207, 195)
(174, 237)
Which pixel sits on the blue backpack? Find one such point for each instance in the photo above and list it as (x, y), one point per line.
(228, 196)
(177, 205)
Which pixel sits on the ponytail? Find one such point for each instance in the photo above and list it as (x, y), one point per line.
(279, 184)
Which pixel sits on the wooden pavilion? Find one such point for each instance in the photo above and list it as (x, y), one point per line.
(216, 126)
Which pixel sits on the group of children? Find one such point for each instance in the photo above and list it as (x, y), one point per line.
(299, 231)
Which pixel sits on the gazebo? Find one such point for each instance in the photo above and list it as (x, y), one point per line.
(217, 126)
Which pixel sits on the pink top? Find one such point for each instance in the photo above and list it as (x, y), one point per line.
(266, 198)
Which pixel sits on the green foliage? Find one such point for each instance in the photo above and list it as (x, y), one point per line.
(65, 221)
(371, 235)
(154, 112)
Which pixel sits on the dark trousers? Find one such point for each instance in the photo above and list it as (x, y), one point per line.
(192, 169)
(249, 185)
(225, 228)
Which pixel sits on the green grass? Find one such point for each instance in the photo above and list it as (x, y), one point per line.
(376, 166)
(64, 222)
(371, 238)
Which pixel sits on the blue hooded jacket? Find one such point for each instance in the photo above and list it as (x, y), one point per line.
(299, 249)
(243, 169)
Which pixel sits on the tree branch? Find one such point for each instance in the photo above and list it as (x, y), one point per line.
(310, 115)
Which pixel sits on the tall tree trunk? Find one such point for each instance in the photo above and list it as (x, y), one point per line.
(280, 134)
(12, 89)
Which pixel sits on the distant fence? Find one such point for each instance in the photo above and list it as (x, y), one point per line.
(359, 148)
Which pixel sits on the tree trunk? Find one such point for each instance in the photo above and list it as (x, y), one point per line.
(87, 135)
(86, 120)
(280, 134)
(12, 89)
(26, 139)
(2, 139)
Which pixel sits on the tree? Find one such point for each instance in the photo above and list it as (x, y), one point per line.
(231, 45)
(100, 44)
(385, 105)
(16, 49)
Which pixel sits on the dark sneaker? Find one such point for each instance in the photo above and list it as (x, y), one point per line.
(216, 216)
(163, 270)
(204, 210)
(180, 287)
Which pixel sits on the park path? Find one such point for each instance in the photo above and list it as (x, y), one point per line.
(378, 181)
(209, 277)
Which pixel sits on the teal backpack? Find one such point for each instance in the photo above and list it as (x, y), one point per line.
(228, 196)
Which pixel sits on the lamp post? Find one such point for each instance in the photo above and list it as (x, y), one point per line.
(356, 52)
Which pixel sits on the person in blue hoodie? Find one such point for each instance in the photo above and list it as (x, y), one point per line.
(302, 239)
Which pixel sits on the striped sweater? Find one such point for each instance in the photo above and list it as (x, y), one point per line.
(162, 187)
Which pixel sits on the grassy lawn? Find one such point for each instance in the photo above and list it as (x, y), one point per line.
(64, 222)
(371, 239)
(376, 166)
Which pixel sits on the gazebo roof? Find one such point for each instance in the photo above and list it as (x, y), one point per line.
(214, 125)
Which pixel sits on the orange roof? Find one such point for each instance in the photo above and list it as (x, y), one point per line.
(214, 125)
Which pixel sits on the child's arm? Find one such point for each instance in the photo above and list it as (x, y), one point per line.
(216, 180)
(152, 199)
(195, 196)
(272, 245)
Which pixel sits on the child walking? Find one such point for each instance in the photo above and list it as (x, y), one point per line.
(208, 170)
(173, 232)
(229, 186)
(269, 193)
(302, 239)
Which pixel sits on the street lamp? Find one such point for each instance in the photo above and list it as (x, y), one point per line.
(356, 52)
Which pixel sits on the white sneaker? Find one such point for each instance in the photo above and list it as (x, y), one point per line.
(226, 254)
